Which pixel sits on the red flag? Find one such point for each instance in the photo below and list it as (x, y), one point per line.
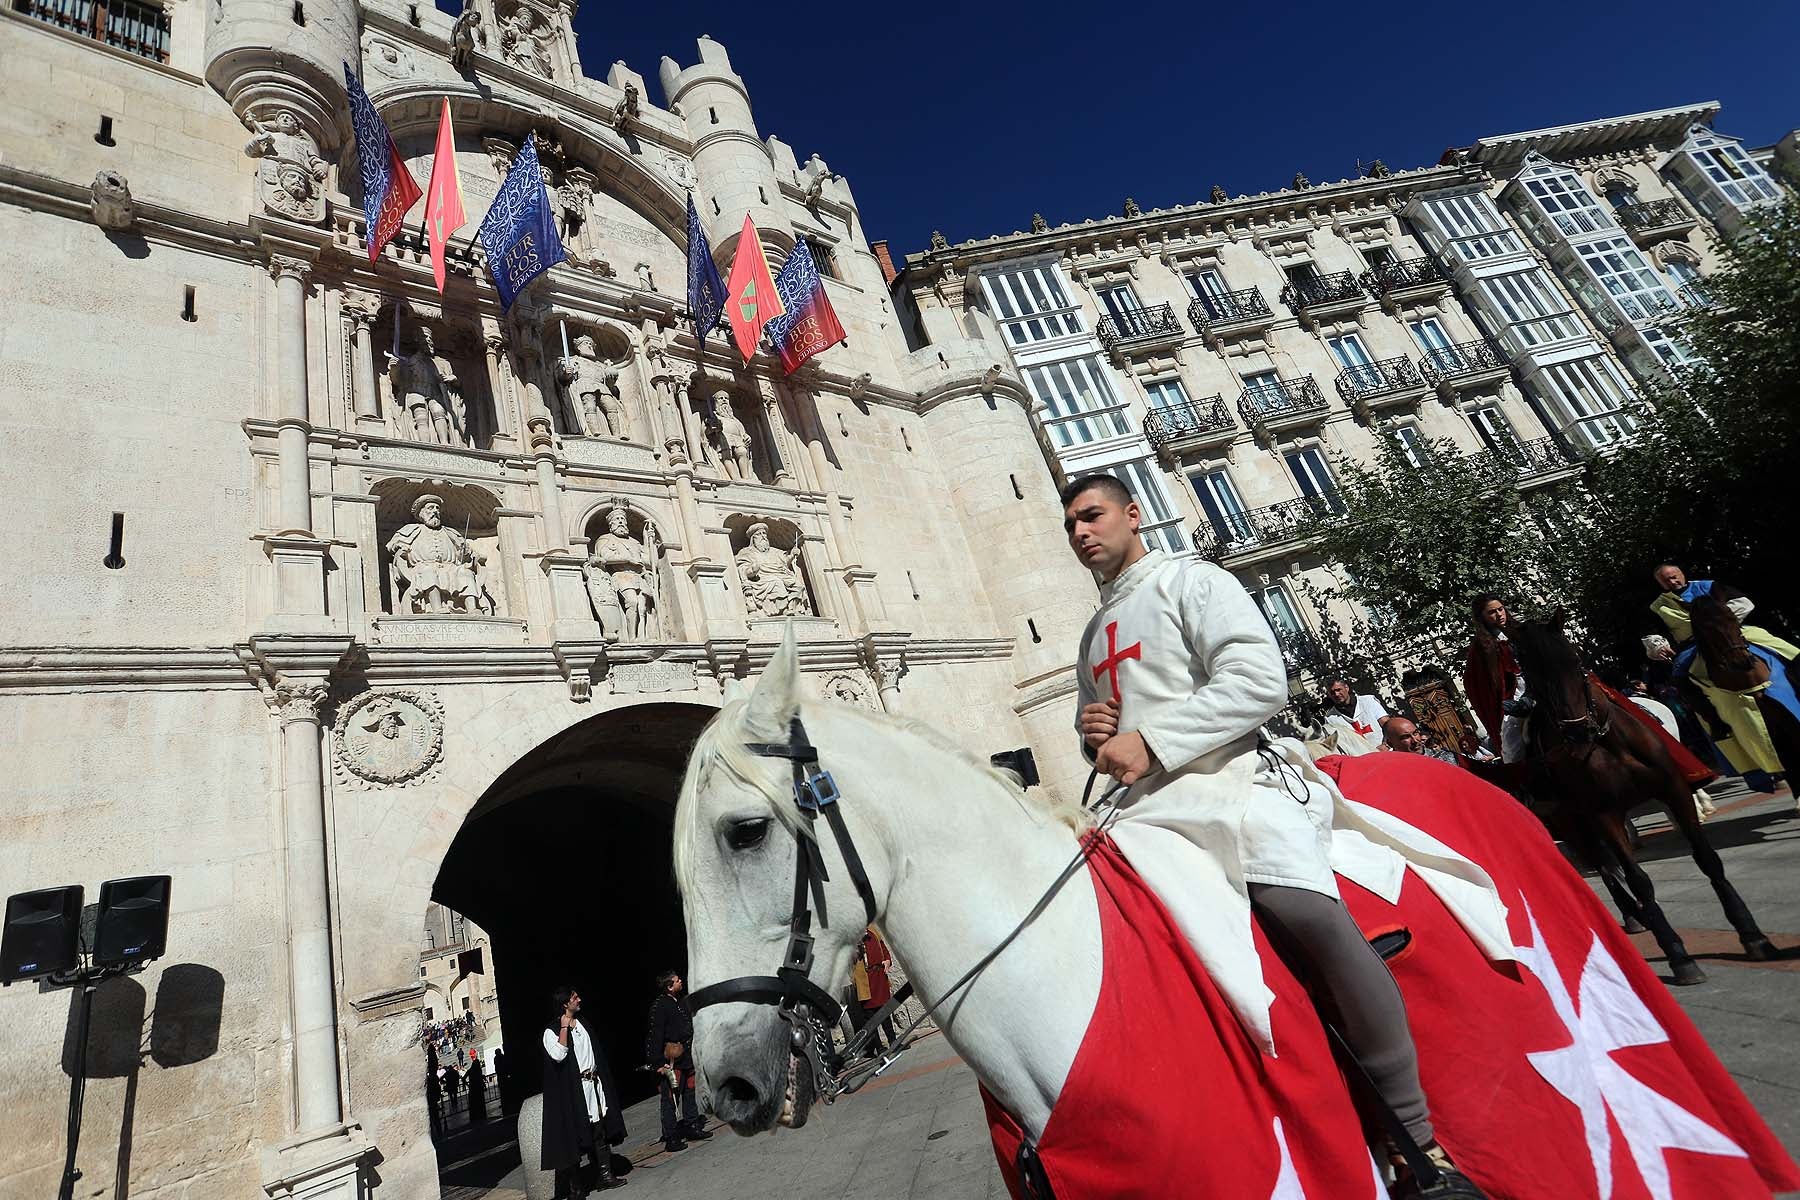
(751, 300)
(1576, 1051)
(443, 197)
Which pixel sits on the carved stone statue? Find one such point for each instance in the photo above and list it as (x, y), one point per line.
(621, 580)
(733, 440)
(1038, 224)
(1301, 182)
(292, 174)
(1218, 195)
(429, 396)
(525, 39)
(939, 241)
(463, 36)
(1132, 209)
(112, 205)
(773, 585)
(433, 567)
(592, 388)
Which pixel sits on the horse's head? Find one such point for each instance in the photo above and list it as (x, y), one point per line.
(1550, 661)
(1719, 638)
(737, 826)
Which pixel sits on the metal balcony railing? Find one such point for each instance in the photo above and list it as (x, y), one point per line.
(1461, 361)
(140, 29)
(1139, 325)
(1246, 304)
(1696, 294)
(1282, 400)
(1321, 290)
(1644, 215)
(1180, 422)
(1273, 524)
(1523, 460)
(1390, 277)
(1386, 377)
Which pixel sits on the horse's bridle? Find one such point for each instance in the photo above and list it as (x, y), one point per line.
(803, 1004)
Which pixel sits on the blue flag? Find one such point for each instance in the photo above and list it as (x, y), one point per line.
(389, 189)
(519, 231)
(706, 291)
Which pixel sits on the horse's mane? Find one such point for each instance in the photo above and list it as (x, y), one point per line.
(1545, 652)
(1717, 632)
(720, 749)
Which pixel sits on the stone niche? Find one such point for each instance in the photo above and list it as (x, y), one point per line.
(437, 393)
(776, 579)
(440, 578)
(737, 436)
(599, 384)
(629, 581)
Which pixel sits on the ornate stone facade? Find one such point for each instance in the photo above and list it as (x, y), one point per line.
(409, 547)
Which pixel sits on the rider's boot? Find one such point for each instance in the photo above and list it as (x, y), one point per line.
(1451, 1184)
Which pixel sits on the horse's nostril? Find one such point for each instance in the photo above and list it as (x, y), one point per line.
(739, 1090)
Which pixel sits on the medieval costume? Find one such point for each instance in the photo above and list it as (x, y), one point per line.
(581, 1110)
(669, 1050)
(1182, 650)
(1359, 730)
(1491, 679)
(1748, 747)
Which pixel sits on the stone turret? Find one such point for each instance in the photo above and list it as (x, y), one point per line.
(977, 414)
(272, 56)
(737, 170)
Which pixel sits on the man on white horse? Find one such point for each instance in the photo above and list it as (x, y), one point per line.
(1178, 671)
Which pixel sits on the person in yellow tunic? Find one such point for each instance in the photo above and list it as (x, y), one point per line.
(1748, 748)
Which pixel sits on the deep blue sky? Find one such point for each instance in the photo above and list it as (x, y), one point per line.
(969, 118)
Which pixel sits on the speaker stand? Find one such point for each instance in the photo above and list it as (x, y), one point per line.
(88, 979)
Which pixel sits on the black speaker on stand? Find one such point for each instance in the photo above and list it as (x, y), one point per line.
(42, 935)
(44, 940)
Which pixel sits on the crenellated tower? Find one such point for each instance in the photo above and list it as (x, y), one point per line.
(736, 168)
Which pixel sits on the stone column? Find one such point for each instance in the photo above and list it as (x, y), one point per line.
(362, 307)
(311, 986)
(778, 453)
(505, 419)
(292, 422)
(697, 449)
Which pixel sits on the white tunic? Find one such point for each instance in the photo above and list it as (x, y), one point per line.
(591, 1090)
(1360, 731)
(1196, 670)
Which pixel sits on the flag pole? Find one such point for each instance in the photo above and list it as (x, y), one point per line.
(396, 327)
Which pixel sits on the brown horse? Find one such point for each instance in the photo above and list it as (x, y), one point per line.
(1731, 665)
(1600, 763)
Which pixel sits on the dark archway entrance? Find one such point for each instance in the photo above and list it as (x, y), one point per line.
(565, 863)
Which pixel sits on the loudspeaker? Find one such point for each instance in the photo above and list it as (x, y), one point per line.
(43, 934)
(133, 925)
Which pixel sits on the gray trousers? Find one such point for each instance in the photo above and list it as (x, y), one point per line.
(1372, 1016)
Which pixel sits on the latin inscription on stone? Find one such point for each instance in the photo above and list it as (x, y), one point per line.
(652, 677)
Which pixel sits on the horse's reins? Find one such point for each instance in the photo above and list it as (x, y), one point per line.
(803, 1004)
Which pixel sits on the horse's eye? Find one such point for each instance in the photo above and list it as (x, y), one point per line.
(748, 833)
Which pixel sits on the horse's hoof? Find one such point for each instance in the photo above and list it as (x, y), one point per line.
(1687, 974)
(1633, 925)
(1760, 950)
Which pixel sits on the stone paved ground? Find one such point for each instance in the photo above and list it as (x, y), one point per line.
(919, 1134)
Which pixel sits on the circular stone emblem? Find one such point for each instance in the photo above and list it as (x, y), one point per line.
(390, 737)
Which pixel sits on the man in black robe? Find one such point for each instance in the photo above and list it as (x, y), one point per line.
(581, 1109)
(669, 1049)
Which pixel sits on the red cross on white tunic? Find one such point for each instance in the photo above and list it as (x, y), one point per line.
(1115, 656)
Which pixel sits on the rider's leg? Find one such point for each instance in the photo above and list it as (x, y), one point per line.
(1367, 998)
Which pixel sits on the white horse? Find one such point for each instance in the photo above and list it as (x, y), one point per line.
(957, 855)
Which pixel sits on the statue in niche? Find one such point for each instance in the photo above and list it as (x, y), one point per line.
(773, 585)
(428, 395)
(525, 41)
(622, 582)
(733, 440)
(463, 36)
(592, 391)
(434, 568)
(292, 174)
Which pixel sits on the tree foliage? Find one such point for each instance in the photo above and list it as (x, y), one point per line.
(1708, 482)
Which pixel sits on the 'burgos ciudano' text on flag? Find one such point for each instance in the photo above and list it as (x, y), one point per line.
(808, 325)
(389, 189)
(706, 291)
(519, 231)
